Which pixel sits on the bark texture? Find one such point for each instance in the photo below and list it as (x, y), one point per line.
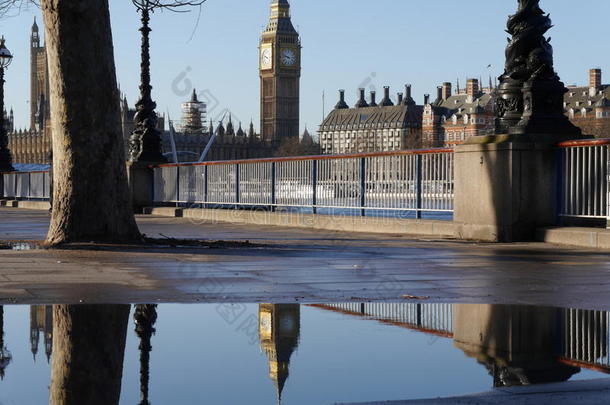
(88, 351)
(91, 201)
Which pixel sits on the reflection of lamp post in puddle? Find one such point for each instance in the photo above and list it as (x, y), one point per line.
(5, 355)
(145, 316)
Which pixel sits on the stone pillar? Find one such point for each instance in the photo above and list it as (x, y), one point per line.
(141, 184)
(505, 189)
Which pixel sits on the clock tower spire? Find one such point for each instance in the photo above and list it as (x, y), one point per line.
(280, 73)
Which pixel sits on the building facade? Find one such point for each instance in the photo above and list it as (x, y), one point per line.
(33, 145)
(589, 107)
(280, 73)
(372, 127)
(451, 118)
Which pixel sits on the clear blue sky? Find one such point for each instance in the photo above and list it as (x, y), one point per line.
(345, 44)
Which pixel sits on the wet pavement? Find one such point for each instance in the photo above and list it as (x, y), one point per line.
(289, 265)
(315, 317)
(303, 354)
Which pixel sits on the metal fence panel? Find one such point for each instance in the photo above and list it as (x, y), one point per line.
(585, 173)
(165, 184)
(37, 185)
(222, 184)
(255, 183)
(294, 183)
(9, 180)
(190, 184)
(47, 185)
(338, 183)
(23, 185)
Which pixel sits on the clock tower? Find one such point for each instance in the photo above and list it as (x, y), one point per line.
(280, 73)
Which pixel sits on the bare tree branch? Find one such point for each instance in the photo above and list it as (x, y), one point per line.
(176, 6)
(10, 8)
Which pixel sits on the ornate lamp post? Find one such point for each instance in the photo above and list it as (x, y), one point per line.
(5, 155)
(530, 96)
(145, 141)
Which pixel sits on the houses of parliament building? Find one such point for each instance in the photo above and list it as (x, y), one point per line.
(279, 73)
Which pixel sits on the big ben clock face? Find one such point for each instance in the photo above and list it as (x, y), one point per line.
(289, 57)
(266, 58)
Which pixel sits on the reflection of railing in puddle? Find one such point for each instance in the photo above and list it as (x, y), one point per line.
(428, 318)
(586, 339)
(578, 338)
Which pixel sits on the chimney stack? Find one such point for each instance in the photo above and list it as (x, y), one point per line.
(595, 81)
(400, 99)
(439, 95)
(361, 101)
(472, 87)
(408, 100)
(386, 102)
(426, 99)
(341, 104)
(446, 90)
(373, 103)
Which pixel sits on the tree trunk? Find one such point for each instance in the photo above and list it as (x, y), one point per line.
(88, 351)
(91, 201)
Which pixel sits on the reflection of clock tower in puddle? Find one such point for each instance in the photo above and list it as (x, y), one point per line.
(279, 327)
(280, 72)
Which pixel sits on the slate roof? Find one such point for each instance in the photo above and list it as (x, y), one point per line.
(459, 104)
(374, 117)
(578, 97)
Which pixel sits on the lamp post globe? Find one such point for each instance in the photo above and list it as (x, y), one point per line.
(5, 55)
(5, 155)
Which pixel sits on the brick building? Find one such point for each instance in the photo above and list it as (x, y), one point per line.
(452, 118)
(589, 107)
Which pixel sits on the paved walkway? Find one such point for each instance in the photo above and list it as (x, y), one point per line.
(593, 392)
(297, 265)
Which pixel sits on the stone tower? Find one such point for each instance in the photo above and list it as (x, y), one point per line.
(280, 73)
(39, 81)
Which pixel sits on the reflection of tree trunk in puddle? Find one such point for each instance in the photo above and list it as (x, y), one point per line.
(88, 350)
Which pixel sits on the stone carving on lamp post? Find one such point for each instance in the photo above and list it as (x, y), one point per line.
(530, 95)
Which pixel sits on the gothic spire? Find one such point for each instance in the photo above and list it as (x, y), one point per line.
(251, 130)
(280, 22)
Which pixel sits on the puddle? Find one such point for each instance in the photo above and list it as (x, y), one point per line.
(305, 354)
(19, 246)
